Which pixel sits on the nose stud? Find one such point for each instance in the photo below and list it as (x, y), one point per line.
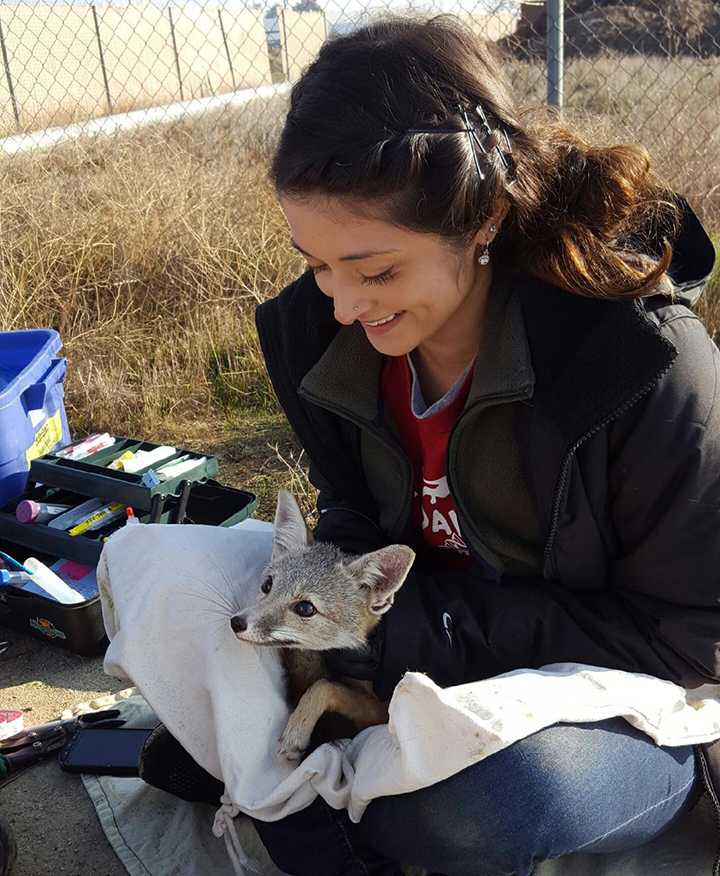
(356, 307)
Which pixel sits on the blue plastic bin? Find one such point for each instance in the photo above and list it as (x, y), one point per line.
(32, 409)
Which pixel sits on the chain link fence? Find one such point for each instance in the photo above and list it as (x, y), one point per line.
(650, 68)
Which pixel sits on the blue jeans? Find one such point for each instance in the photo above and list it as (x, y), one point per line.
(600, 787)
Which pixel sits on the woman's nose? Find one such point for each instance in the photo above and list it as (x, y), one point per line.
(347, 311)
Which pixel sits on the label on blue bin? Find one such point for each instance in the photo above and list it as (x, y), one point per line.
(47, 436)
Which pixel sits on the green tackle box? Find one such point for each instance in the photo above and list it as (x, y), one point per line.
(208, 503)
(192, 498)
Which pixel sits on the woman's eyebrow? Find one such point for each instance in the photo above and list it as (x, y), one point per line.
(348, 258)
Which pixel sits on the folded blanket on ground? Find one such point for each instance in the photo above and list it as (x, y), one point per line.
(168, 593)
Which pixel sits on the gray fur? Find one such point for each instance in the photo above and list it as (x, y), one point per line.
(348, 593)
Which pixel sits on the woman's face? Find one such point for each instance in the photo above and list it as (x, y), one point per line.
(404, 287)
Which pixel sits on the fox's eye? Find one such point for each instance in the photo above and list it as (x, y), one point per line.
(266, 586)
(305, 609)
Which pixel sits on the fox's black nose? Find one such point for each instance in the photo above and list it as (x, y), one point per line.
(238, 624)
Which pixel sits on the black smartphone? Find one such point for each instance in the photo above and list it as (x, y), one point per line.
(103, 751)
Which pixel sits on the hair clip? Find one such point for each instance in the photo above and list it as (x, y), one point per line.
(486, 124)
(474, 139)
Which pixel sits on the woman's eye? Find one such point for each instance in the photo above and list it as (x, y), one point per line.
(366, 281)
(266, 586)
(305, 609)
(380, 278)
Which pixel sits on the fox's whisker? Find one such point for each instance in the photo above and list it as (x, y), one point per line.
(221, 607)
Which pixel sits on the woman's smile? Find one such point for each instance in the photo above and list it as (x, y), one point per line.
(380, 326)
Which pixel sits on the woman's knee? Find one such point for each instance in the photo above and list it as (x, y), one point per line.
(493, 812)
(542, 797)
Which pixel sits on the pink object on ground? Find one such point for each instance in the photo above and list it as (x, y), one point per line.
(10, 723)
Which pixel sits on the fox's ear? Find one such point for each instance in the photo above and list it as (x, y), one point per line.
(291, 532)
(383, 573)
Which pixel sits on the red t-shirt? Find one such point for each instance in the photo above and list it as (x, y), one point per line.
(425, 442)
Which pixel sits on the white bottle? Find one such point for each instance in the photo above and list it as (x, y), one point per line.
(51, 584)
(144, 458)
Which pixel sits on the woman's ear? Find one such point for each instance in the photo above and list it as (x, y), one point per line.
(491, 227)
(502, 208)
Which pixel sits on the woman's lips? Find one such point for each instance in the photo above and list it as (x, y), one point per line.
(385, 326)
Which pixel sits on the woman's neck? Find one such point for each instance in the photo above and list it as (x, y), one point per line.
(440, 361)
(436, 378)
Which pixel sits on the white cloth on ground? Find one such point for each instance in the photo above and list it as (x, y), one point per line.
(168, 593)
(156, 834)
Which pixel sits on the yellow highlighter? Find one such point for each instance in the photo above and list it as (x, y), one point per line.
(99, 518)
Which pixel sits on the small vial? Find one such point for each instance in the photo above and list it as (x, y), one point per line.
(28, 511)
(17, 578)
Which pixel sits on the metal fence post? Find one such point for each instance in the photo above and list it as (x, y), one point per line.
(284, 39)
(227, 48)
(102, 60)
(555, 16)
(11, 89)
(175, 49)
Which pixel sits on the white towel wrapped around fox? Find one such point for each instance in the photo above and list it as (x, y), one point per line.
(176, 599)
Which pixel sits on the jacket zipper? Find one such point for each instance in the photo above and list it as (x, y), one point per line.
(392, 445)
(705, 776)
(559, 489)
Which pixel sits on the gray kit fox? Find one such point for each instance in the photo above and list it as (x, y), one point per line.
(314, 597)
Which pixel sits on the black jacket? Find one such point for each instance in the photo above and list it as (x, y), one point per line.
(620, 446)
(621, 449)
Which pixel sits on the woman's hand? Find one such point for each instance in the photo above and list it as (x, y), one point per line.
(360, 663)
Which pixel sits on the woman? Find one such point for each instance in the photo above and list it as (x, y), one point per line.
(491, 358)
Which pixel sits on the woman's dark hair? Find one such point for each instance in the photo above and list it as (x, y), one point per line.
(580, 215)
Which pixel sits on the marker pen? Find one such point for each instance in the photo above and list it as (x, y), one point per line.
(99, 518)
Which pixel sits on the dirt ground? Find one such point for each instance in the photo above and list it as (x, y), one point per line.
(57, 829)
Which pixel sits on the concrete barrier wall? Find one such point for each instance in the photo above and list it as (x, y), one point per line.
(54, 63)
(301, 35)
(245, 33)
(57, 76)
(493, 26)
(139, 56)
(152, 56)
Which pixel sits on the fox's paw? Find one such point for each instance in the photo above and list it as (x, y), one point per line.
(295, 741)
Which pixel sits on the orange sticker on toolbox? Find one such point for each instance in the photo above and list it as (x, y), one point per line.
(46, 437)
(46, 627)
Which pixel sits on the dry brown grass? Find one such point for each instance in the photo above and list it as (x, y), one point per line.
(670, 106)
(150, 251)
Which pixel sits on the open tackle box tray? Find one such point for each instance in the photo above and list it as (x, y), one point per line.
(208, 503)
(91, 476)
(195, 498)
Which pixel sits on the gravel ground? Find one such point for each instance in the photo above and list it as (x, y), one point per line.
(57, 829)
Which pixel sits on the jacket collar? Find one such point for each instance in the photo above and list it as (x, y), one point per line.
(592, 358)
(347, 376)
